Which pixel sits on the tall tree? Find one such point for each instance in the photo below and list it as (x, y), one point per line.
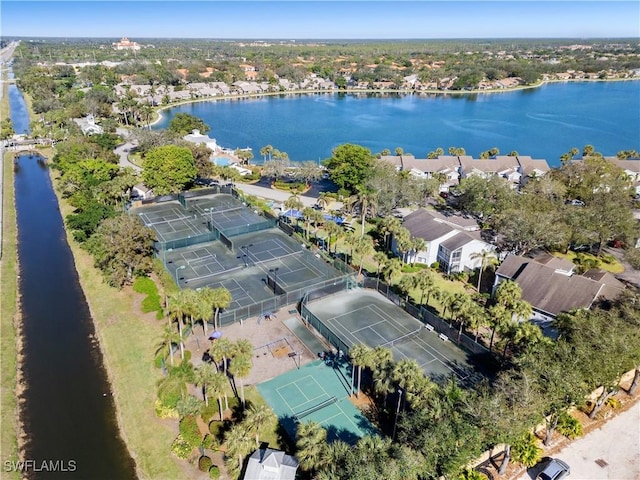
(168, 169)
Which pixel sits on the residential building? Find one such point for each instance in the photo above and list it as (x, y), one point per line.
(450, 240)
(88, 125)
(452, 168)
(552, 286)
(198, 138)
(270, 464)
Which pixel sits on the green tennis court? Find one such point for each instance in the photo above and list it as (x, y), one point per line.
(317, 392)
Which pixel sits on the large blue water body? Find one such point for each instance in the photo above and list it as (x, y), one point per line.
(544, 122)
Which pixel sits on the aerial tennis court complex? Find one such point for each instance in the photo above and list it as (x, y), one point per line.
(213, 239)
(318, 392)
(364, 316)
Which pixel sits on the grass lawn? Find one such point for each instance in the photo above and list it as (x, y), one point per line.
(128, 340)
(8, 310)
(613, 267)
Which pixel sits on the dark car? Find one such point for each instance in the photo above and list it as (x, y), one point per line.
(555, 469)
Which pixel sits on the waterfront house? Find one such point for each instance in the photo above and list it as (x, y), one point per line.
(198, 138)
(446, 168)
(88, 125)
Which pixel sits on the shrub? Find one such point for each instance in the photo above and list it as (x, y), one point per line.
(151, 303)
(526, 450)
(204, 464)
(210, 442)
(608, 258)
(189, 431)
(181, 448)
(170, 391)
(471, 474)
(435, 265)
(613, 403)
(569, 426)
(210, 411)
(162, 411)
(145, 285)
(214, 472)
(632, 255)
(216, 428)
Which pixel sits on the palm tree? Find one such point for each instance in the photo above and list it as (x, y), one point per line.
(417, 245)
(323, 200)
(169, 338)
(381, 259)
(407, 374)
(333, 230)
(363, 247)
(361, 356)
(391, 269)
(266, 152)
(217, 385)
(244, 347)
(446, 300)
(366, 199)
(406, 284)
(225, 348)
(461, 304)
(221, 299)
(487, 258)
(217, 352)
(425, 283)
(204, 376)
(177, 312)
(403, 242)
(388, 226)
(239, 443)
(240, 368)
(206, 298)
(257, 417)
(310, 441)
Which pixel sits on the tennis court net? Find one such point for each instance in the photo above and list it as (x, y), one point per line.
(402, 338)
(177, 219)
(315, 408)
(257, 261)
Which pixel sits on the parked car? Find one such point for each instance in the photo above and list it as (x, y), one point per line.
(555, 469)
(575, 202)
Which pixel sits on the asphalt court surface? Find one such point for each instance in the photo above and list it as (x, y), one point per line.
(364, 316)
(224, 211)
(171, 221)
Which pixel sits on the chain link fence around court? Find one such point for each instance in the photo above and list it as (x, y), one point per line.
(425, 316)
(324, 288)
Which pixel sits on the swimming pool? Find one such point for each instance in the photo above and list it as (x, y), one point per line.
(222, 161)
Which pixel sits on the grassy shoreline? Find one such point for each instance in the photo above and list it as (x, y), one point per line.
(8, 306)
(127, 340)
(8, 319)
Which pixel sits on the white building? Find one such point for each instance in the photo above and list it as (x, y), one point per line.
(450, 240)
(269, 464)
(197, 138)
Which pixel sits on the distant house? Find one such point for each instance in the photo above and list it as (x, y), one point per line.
(88, 125)
(551, 285)
(450, 240)
(269, 464)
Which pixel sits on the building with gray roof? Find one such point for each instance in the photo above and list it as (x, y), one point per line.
(269, 464)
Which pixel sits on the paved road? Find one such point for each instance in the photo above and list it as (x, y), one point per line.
(616, 445)
(271, 194)
(123, 152)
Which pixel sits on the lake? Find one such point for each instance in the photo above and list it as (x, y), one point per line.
(544, 122)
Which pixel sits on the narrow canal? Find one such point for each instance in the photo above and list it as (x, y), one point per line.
(66, 407)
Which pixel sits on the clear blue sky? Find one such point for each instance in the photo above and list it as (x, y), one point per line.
(321, 19)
